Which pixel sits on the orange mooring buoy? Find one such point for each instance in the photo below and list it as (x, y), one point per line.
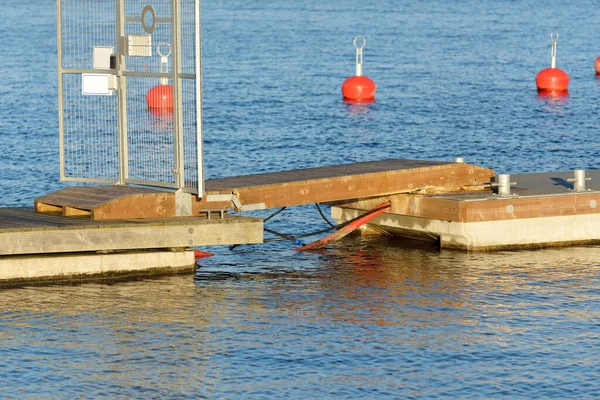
(552, 80)
(359, 87)
(597, 65)
(160, 97)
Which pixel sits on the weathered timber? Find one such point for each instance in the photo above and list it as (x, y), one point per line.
(535, 196)
(345, 182)
(109, 202)
(23, 231)
(270, 190)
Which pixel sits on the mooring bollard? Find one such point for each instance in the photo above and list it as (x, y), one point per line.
(579, 180)
(503, 184)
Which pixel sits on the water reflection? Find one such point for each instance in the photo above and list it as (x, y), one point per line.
(552, 101)
(403, 311)
(355, 108)
(161, 119)
(401, 283)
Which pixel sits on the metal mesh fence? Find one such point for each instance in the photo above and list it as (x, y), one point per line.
(162, 33)
(188, 36)
(190, 144)
(150, 136)
(90, 133)
(86, 24)
(115, 136)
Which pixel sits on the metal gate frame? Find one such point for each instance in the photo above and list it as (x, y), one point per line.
(195, 179)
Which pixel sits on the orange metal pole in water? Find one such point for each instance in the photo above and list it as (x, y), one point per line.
(337, 235)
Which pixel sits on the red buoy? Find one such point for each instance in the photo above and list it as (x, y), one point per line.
(202, 254)
(160, 97)
(359, 87)
(597, 65)
(552, 80)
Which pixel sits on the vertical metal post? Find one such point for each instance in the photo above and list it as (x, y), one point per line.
(177, 103)
(503, 181)
(359, 53)
(122, 93)
(553, 52)
(198, 43)
(61, 105)
(579, 180)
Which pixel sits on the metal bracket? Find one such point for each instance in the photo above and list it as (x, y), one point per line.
(237, 205)
(209, 213)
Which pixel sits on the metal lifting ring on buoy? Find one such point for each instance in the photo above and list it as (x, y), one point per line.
(554, 38)
(160, 53)
(364, 42)
(359, 53)
(164, 60)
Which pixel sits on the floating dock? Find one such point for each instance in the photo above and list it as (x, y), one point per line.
(92, 230)
(541, 210)
(50, 246)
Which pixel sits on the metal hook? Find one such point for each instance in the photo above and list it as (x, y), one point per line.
(552, 37)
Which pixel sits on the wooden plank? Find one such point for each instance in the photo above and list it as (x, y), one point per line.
(413, 205)
(157, 205)
(208, 232)
(25, 218)
(59, 200)
(362, 186)
(531, 207)
(75, 212)
(487, 207)
(46, 208)
(327, 172)
(88, 197)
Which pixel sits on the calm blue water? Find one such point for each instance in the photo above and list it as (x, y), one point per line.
(368, 317)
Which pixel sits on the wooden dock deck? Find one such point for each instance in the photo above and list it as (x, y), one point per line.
(449, 202)
(341, 182)
(269, 190)
(542, 210)
(49, 246)
(86, 230)
(23, 231)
